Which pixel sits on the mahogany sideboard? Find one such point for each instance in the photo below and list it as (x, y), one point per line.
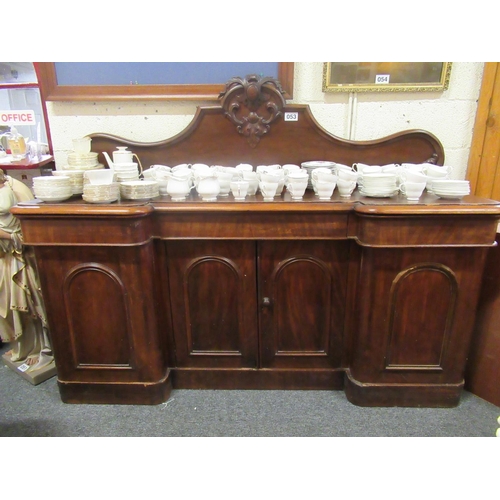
(482, 373)
(373, 296)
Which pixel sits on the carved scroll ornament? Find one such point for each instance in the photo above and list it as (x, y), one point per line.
(252, 104)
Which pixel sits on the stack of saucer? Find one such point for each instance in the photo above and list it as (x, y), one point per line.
(379, 185)
(450, 189)
(101, 193)
(49, 188)
(139, 190)
(78, 164)
(75, 176)
(83, 161)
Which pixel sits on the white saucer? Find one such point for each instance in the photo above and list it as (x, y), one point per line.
(48, 199)
(451, 196)
(378, 195)
(97, 200)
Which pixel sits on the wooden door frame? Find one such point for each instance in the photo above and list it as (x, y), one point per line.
(483, 169)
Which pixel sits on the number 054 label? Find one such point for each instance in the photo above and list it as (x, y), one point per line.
(382, 78)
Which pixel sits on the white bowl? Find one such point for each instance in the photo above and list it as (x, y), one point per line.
(102, 176)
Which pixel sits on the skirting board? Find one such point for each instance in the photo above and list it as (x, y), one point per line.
(36, 377)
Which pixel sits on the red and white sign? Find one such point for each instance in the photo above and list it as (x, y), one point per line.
(13, 117)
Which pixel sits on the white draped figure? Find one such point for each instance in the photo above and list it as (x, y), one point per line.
(23, 322)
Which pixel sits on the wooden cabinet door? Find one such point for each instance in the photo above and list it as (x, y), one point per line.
(302, 295)
(212, 294)
(415, 313)
(102, 314)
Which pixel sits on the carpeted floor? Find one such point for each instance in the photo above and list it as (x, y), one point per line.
(32, 411)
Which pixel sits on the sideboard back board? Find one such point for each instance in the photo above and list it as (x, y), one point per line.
(373, 296)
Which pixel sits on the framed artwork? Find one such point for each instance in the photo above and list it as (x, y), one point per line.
(386, 76)
(99, 81)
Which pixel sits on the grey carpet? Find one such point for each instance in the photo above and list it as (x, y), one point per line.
(33, 411)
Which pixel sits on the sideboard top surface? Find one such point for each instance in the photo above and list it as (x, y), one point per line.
(397, 205)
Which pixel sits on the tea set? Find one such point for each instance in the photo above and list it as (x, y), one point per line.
(125, 179)
(409, 179)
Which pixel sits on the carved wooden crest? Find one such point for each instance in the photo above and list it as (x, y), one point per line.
(252, 104)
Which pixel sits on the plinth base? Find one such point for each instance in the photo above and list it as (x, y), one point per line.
(403, 395)
(36, 377)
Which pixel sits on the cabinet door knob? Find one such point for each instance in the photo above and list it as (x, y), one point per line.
(266, 301)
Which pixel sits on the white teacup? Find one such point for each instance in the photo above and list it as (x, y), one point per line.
(267, 168)
(325, 189)
(371, 169)
(244, 167)
(297, 187)
(321, 175)
(412, 190)
(181, 166)
(157, 167)
(412, 176)
(436, 171)
(182, 172)
(300, 174)
(268, 189)
(253, 182)
(414, 167)
(290, 167)
(239, 189)
(390, 168)
(224, 182)
(159, 173)
(345, 187)
(341, 167)
(272, 175)
(348, 175)
(82, 145)
(199, 167)
(359, 167)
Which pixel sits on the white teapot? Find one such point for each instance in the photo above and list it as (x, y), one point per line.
(120, 156)
(123, 155)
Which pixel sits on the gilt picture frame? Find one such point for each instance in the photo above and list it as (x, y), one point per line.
(386, 76)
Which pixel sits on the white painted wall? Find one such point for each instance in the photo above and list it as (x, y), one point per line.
(449, 115)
